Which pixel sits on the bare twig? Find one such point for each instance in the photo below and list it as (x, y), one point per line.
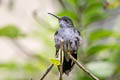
(0, 2)
(82, 67)
(49, 68)
(62, 4)
(46, 72)
(61, 60)
(32, 56)
(78, 64)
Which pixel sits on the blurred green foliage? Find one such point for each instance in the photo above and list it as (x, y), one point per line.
(100, 53)
(10, 31)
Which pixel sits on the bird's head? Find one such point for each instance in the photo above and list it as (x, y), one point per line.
(64, 21)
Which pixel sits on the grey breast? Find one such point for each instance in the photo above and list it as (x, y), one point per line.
(68, 37)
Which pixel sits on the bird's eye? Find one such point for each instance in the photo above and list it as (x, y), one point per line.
(65, 20)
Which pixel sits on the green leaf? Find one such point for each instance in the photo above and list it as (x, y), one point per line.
(10, 31)
(80, 75)
(30, 67)
(89, 2)
(116, 36)
(94, 7)
(101, 68)
(92, 13)
(92, 18)
(96, 49)
(41, 58)
(73, 2)
(99, 47)
(10, 65)
(99, 34)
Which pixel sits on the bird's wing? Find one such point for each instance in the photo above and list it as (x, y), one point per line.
(57, 40)
(78, 37)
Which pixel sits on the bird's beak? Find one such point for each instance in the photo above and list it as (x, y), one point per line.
(54, 16)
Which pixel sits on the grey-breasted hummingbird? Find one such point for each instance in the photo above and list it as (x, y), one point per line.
(71, 40)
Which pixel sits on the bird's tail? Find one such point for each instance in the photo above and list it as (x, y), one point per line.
(68, 63)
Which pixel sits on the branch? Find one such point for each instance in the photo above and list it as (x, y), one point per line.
(62, 4)
(61, 49)
(32, 56)
(49, 68)
(78, 64)
(0, 2)
(46, 72)
(82, 67)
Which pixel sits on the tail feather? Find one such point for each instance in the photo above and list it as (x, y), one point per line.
(68, 65)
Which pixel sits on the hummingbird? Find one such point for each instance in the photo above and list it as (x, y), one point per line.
(71, 40)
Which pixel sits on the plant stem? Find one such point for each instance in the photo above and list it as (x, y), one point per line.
(46, 72)
(82, 67)
(61, 49)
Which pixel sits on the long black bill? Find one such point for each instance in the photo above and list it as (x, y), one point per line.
(54, 16)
